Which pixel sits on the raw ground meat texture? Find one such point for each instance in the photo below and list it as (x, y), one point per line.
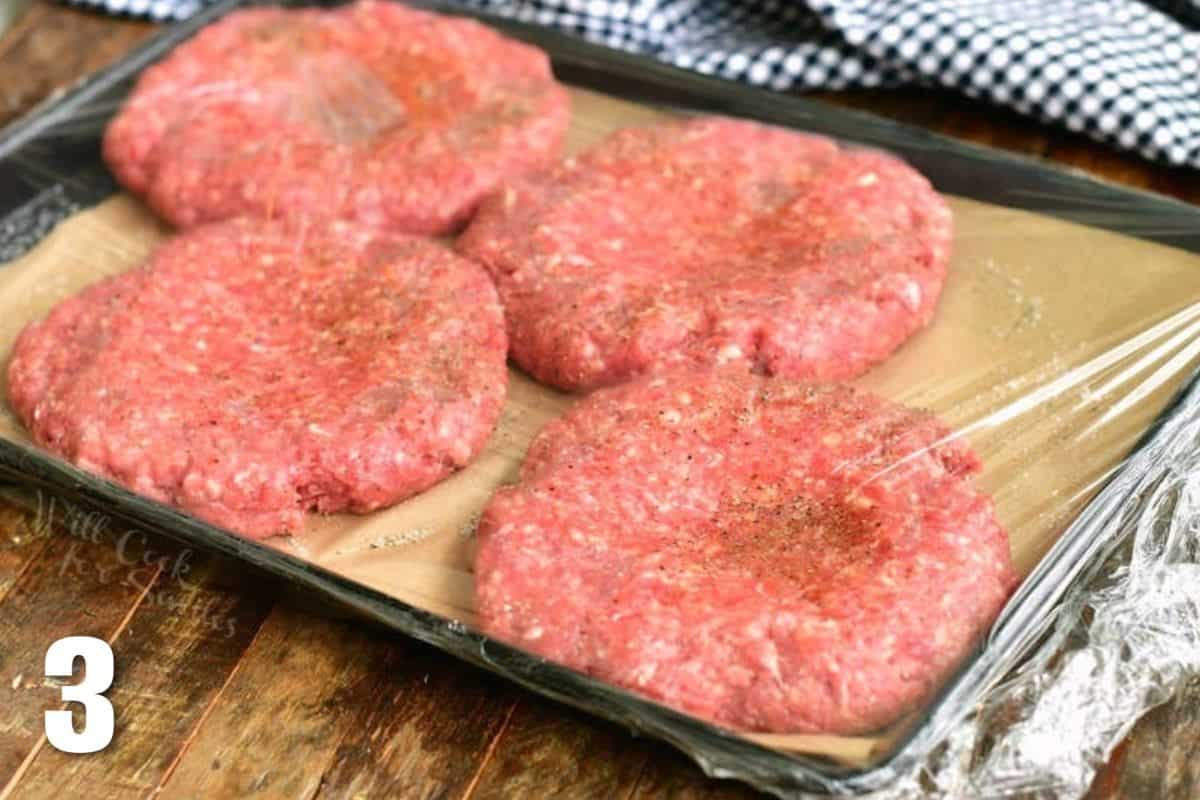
(252, 371)
(763, 553)
(374, 112)
(713, 241)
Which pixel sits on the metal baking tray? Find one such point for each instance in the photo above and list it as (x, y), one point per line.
(50, 168)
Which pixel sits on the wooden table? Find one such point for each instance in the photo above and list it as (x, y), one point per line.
(228, 684)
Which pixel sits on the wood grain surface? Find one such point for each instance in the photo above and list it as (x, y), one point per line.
(228, 685)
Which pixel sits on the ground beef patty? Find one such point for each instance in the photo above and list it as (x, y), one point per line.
(767, 554)
(252, 371)
(373, 112)
(713, 240)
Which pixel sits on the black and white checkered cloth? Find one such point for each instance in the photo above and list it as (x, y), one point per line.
(156, 10)
(1124, 72)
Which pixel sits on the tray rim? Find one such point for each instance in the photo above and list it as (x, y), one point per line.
(1034, 186)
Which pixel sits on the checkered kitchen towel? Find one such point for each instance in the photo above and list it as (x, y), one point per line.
(1125, 72)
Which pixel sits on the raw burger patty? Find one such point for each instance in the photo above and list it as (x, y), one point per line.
(252, 371)
(766, 554)
(373, 112)
(713, 240)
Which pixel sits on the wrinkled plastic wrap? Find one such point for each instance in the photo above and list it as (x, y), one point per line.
(1063, 350)
(1125, 637)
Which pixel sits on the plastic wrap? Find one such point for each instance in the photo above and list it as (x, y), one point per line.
(1063, 352)
(1124, 638)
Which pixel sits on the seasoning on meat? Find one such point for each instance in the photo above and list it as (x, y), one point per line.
(373, 112)
(251, 371)
(713, 241)
(763, 553)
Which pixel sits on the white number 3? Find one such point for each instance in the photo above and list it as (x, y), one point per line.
(98, 712)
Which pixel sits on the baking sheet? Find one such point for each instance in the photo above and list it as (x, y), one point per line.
(1054, 347)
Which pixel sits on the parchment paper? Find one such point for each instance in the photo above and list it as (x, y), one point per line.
(1054, 347)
